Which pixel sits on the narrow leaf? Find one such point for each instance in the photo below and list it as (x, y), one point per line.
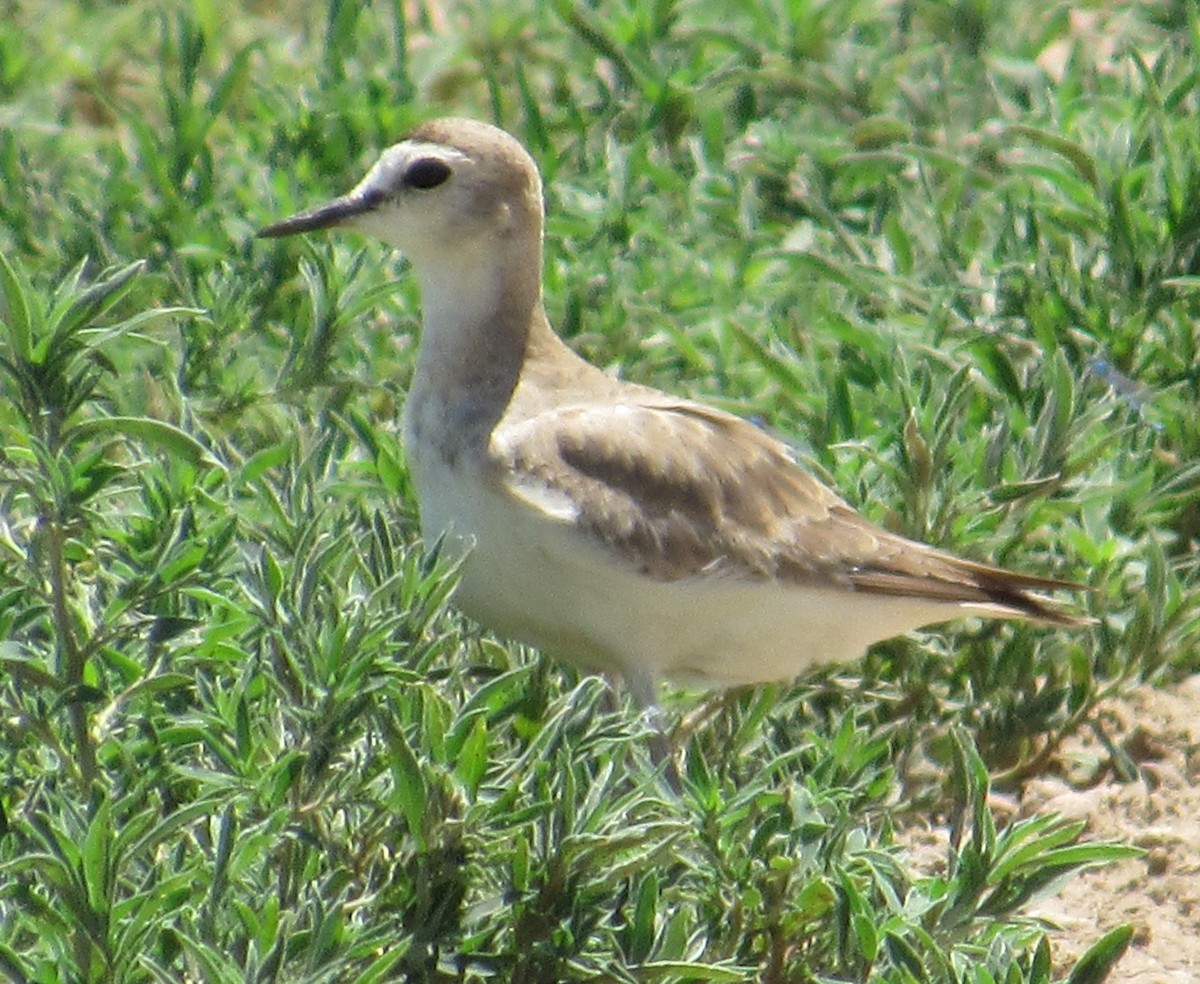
(1095, 965)
(167, 437)
(15, 310)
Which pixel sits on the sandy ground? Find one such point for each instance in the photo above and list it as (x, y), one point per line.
(1158, 811)
(1156, 806)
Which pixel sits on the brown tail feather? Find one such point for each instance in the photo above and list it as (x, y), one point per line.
(955, 580)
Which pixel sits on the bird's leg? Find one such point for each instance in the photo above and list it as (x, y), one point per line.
(643, 687)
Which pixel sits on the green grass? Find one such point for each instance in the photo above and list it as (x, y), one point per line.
(243, 735)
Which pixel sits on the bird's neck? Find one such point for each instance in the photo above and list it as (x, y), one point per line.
(483, 326)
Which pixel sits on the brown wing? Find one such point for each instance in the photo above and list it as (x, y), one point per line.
(680, 490)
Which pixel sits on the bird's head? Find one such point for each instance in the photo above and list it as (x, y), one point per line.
(448, 189)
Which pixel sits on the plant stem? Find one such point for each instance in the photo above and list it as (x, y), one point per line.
(70, 658)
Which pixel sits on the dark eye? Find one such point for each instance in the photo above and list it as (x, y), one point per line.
(428, 172)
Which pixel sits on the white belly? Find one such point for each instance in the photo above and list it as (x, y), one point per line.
(535, 578)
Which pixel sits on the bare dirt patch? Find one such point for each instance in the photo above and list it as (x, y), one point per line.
(1136, 786)
(1157, 809)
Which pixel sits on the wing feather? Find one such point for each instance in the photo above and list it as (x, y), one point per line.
(681, 490)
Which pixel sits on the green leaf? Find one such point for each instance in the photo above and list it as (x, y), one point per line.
(99, 336)
(662, 970)
(95, 858)
(1079, 159)
(867, 935)
(263, 461)
(28, 672)
(783, 371)
(158, 684)
(904, 955)
(472, 762)
(15, 312)
(74, 311)
(1097, 963)
(642, 928)
(165, 436)
(411, 791)
(383, 967)
(1039, 970)
(999, 369)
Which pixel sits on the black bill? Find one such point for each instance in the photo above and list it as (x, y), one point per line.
(322, 217)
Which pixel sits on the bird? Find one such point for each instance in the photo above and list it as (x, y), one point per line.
(609, 524)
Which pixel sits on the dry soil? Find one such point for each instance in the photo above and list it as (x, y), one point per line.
(1155, 805)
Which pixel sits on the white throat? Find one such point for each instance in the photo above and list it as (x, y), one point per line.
(459, 293)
